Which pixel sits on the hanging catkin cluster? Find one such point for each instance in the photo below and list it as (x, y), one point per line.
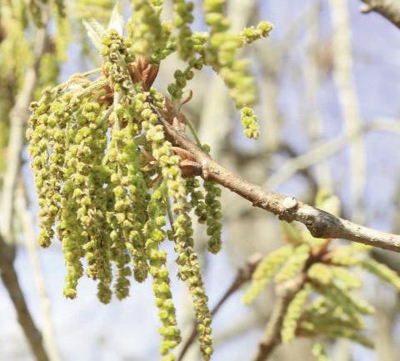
(111, 186)
(325, 305)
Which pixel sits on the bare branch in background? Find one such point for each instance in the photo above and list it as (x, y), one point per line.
(325, 150)
(10, 279)
(27, 225)
(314, 156)
(312, 79)
(18, 118)
(244, 275)
(390, 9)
(272, 337)
(320, 224)
(343, 74)
(271, 67)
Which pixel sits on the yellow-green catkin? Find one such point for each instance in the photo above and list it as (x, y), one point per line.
(46, 182)
(70, 232)
(189, 269)
(265, 271)
(196, 199)
(320, 273)
(350, 254)
(93, 197)
(251, 34)
(148, 34)
(341, 297)
(340, 332)
(161, 283)
(138, 196)
(88, 141)
(328, 271)
(129, 194)
(319, 352)
(295, 263)
(382, 271)
(181, 79)
(222, 53)
(293, 313)
(188, 48)
(214, 215)
(183, 17)
(324, 315)
(249, 122)
(346, 278)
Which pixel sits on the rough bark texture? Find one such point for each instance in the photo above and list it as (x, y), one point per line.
(320, 223)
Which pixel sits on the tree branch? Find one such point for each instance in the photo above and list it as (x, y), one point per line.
(390, 9)
(272, 337)
(9, 277)
(320, 223)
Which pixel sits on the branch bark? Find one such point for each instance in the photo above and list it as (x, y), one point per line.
(390, 9)
(9, 277)
(320, 223)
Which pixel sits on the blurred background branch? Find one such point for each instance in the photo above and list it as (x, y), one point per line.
(18, 118)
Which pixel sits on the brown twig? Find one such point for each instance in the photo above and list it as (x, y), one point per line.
(244, 275)
(9, 277)
(8, 274)
(390, 9)
(321, 224)
(272, 338)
